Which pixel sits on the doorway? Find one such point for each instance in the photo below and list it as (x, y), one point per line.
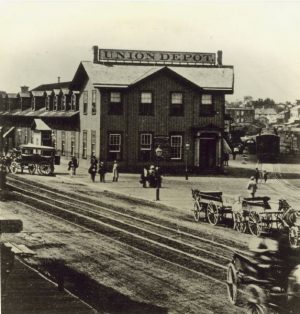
(207, 153)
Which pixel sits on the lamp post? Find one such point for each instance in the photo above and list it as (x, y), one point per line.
(158, 153)
(187, 148)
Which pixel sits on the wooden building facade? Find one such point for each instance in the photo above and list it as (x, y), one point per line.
(123, 106)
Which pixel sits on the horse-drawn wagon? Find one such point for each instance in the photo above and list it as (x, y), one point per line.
(34, 158)
(264, 280)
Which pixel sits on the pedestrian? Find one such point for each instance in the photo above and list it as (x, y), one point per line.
(93, 160)
(252, 186)
(72, 166)
(226, 158)
(235, 152)
(256, 175)
(102, 171)
(265, 176)
(93, 171)
(151, 177)
(144, 177)
(115, 171)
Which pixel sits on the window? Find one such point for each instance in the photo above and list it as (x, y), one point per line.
(47, 102)
(176, 108)
(55, 103)
(146, 104)
(84, 144)
(93, 143)
(114, 146)
(85, 102)
(242, 113)
(73, 102)
(176, 147)
(72, 143)
(32, 103)
(63, 143)
(115, 104)
(63, 102)
(145, 152)
(206, 106)
(93, 102)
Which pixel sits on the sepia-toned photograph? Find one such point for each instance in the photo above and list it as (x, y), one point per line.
(150, 157)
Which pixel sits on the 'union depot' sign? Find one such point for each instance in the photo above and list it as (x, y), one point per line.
(141, 56)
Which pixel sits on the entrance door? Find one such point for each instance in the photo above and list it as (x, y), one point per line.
(207, 153)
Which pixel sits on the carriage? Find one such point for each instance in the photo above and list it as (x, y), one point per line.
(262, 280)
(210, 206)
(34, 158)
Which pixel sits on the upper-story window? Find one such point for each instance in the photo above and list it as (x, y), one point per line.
(176, 107)
(145, 152)
(146, 107)
(207, 105)
(32, 103)
(63, 102)
(85, 102)
(47, 102)
(73, 102)
(84, 144)
(94, 102)
(55, 102)
(115, 106)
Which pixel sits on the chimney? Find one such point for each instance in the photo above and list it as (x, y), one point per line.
(96, 49)
(24, 89)
(219, 58)
(58, 79)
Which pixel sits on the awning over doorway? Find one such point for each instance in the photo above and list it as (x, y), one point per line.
(40, 125)
(226, 147)
(8, 132)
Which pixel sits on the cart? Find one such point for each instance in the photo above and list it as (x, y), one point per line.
(257, 216)
(210, 206)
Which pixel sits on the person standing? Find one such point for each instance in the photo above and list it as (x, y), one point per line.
(265, 176)
(144, 177)
(256, 175)
(93, 171)
(102, 171)
(115, 171)
(252, 186)
(73, 165)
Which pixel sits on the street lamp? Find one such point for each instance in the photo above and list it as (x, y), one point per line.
(187, 148)
(158, 153)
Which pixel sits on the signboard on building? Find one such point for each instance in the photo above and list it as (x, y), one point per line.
(152, 57)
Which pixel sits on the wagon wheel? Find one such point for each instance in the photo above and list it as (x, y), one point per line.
(44, 169)
(31, 168)
(198, 208)
(232, 284)
(256, 300)
(254, 224)
(213, 214)
(279, 221)
(239, 222)
(14, 167)
(294, 237)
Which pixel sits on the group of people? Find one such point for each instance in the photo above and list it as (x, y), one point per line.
(253, 182)
(151, 177)
(101, 169)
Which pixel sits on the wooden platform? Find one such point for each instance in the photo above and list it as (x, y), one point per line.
(27, 291)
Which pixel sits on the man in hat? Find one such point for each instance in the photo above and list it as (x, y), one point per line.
(252, 187)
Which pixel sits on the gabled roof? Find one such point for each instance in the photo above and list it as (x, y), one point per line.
(40, 125)
(207, 78)
(51, 86)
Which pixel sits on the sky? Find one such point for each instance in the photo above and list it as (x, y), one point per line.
(41, 40)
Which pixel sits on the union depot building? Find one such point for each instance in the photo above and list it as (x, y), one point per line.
(125, 104)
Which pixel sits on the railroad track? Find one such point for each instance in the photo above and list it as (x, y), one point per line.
(154, 236)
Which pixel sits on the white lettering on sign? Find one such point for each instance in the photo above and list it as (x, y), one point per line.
(140, 56)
